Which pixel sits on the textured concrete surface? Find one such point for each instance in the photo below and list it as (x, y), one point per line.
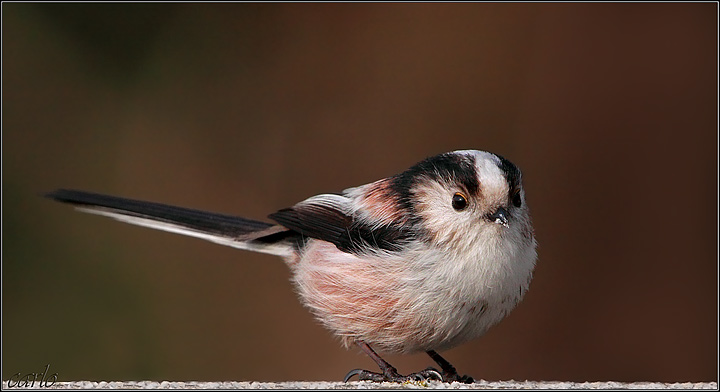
(363, 385)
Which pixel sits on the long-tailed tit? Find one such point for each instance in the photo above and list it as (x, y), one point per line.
(420, 261)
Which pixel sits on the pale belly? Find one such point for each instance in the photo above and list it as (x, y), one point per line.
(396, 308)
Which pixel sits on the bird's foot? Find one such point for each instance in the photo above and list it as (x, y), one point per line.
(427, 374)
(449, 377)
(449, 374)
(391, 375)
(454, 377)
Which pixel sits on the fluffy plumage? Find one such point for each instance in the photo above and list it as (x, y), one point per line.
(393, 264)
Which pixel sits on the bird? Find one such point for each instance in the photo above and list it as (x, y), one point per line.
(421, 261)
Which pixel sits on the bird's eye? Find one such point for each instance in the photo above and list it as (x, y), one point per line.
(517, 200)
(459, 202)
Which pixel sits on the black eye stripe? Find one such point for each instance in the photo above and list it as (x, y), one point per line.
(455, 168)
(512, 173)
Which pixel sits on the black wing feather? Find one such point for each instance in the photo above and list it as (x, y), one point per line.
(315, 221)
(327, 223)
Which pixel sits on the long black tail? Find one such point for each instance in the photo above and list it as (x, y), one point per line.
(223, 229)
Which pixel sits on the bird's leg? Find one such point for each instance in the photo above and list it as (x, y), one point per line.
(449, 374)
(389, 373)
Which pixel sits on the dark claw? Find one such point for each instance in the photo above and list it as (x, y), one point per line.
(354, 372)
(431, 374)
(366, 375)
(426, 375)
(449, 374)
(419, 377)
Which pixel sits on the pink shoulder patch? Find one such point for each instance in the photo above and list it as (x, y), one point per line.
(379, 204)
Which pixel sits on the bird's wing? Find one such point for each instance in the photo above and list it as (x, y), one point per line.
(327, 217)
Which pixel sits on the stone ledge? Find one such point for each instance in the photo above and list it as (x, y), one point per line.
(362, 385)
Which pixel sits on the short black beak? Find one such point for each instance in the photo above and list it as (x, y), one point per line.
(500, 216)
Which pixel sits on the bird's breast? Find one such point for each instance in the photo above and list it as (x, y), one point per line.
(424, 299)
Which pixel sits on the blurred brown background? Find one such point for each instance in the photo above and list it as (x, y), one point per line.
(609, 110)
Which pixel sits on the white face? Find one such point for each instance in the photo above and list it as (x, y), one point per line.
(457, 215)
